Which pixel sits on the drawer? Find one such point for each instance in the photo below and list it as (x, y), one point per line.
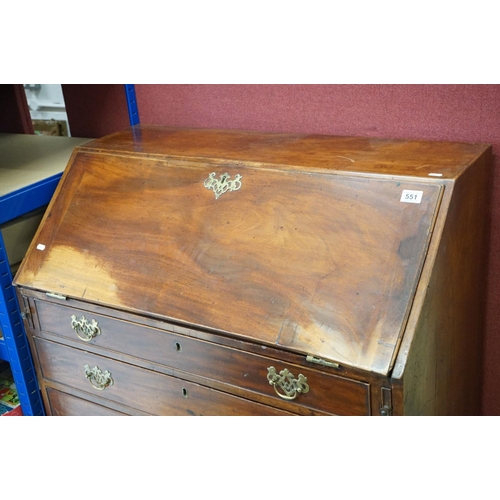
(136, 387)
(62, 404)
(328, 393)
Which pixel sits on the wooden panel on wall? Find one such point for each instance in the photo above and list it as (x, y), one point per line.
(95, 110)
(14, 111)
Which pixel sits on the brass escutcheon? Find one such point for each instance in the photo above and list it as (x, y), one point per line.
(223, 184)
(98, 379)
(85, 330)
(288, 384)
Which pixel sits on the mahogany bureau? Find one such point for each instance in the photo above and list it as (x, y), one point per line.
(219, 272)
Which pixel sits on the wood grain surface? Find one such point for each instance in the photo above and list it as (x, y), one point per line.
(366, 252)
(318, 263)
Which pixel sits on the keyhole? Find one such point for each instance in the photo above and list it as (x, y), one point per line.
(178, 347)
(184, 392)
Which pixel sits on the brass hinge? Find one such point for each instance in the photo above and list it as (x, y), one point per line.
(322, 362)
(56, 296)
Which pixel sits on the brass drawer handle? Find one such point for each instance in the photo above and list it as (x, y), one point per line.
(85, 330)
(287, 383)
(98, 379)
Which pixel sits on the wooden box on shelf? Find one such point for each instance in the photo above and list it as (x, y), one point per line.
(211, 272)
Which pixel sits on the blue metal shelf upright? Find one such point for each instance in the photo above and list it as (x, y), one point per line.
(133, 110)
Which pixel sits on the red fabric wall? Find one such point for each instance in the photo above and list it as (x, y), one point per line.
(437, 112)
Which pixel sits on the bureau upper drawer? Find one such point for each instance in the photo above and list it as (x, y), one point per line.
(233, 367)
(135, 387)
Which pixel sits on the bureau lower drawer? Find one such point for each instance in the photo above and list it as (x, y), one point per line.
(63, 404)
(236, 368)
(136, 387)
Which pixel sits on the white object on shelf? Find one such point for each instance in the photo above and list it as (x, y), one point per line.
(46, 102)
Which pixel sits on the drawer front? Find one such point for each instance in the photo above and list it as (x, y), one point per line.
(62, 404)
(129, 385)
(328, 393)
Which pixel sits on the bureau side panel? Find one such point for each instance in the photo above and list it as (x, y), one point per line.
(438, 370)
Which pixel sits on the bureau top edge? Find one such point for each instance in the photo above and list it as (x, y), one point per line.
(412, 158)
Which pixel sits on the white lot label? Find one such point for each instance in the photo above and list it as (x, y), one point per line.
(409, 196)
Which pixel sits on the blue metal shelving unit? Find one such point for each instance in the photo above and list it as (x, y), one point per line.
(32, 195)
(14, 346)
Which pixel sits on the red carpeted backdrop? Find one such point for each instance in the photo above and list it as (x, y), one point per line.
(437, 112)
